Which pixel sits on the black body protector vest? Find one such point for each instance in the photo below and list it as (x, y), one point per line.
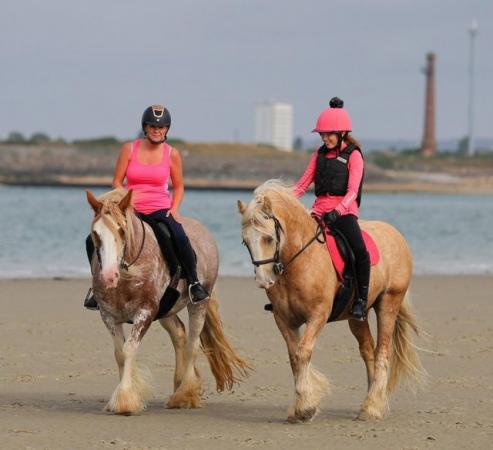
(332, 174)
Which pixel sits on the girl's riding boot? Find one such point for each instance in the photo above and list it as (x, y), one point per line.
(196, 291)
(358, 308)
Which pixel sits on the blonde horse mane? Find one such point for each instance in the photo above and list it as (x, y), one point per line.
(282, 202)
(114, 218)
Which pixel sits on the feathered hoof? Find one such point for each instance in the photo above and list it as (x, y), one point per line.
(125, 403)
(305, 416)
(184, 400)
(370, 414)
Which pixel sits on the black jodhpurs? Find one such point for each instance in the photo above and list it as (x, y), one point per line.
(348, 225)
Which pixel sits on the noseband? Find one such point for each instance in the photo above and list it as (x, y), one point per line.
(278, 266)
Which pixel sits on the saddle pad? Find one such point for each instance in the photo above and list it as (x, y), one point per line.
(336, 257)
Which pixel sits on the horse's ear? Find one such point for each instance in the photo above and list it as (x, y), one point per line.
(267, 206)
(126, 201)
(93, 201)
(241, 207)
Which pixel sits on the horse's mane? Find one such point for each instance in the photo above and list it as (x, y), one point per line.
(284, 204)
(113, 216)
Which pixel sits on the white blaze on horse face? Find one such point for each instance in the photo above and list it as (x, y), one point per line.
(110, 272)
(260, 250)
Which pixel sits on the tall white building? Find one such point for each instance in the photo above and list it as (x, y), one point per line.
(274, 125)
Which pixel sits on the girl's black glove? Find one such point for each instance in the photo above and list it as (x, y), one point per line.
(330, 217)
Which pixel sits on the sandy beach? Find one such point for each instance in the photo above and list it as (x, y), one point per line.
(58, 371)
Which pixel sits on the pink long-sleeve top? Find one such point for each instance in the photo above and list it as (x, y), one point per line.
(346, 204)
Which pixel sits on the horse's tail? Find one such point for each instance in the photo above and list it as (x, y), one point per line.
(227, 367)
(405, 361)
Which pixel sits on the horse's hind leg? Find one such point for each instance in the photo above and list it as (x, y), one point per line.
(190, 389)
(175, 328)
(310, 385)
(131, 394)
(361, 331)
(376, 403)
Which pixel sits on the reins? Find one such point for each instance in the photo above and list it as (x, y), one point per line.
(279, 267)
(123, 264)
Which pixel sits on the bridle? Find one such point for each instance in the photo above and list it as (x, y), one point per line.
(278, 266)
(124, 265)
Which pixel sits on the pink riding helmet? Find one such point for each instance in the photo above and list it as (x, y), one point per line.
(335, 118)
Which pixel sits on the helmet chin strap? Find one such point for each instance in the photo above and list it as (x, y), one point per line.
(156, 142)
(340, 138)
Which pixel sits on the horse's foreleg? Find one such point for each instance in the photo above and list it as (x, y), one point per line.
(376, 403)
(361, 331)
(190, 389)
(131, 394)
(310, 385)
(116, 331)
(175, 328)
(118, 342)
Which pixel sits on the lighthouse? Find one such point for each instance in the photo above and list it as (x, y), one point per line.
(429, 144)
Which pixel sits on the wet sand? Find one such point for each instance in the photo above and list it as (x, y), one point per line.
(57, 373)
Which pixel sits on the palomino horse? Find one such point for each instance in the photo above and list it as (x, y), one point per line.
(129, 278)
(300, 282)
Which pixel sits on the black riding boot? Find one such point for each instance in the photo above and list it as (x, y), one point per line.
(90, 301)
(358, 308)
(196, 291)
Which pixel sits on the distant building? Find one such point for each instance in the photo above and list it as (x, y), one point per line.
(274, 125)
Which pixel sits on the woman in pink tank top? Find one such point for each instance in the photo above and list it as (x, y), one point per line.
(147, 165)
(337, 169)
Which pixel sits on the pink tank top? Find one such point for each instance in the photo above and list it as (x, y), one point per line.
(149, 181)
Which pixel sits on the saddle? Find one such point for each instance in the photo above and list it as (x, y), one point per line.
(165, 242)
(344, 261)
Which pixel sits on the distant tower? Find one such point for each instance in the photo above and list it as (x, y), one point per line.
(473, 31)
(429, 145)
(274, 125)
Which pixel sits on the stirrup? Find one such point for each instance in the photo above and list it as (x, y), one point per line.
(90, 301)
(204, 295)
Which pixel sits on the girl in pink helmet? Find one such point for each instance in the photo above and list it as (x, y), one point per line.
(147, 165)
(337, 169)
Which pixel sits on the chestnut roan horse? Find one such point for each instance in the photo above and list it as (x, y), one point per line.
(129, 278)
(275, 228)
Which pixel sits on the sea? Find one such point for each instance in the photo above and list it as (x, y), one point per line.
(43, 229)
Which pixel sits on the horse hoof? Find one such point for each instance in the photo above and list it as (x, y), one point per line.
(183, 402)
(365, 415)
(305, 416)
(122, 410)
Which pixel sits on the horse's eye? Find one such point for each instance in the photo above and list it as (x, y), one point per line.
(268, 239)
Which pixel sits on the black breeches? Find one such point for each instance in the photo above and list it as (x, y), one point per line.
(348, 225)
(178, 235)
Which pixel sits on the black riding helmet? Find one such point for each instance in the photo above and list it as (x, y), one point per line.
(157, 116)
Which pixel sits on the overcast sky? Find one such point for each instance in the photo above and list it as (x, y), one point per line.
(89, 68)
